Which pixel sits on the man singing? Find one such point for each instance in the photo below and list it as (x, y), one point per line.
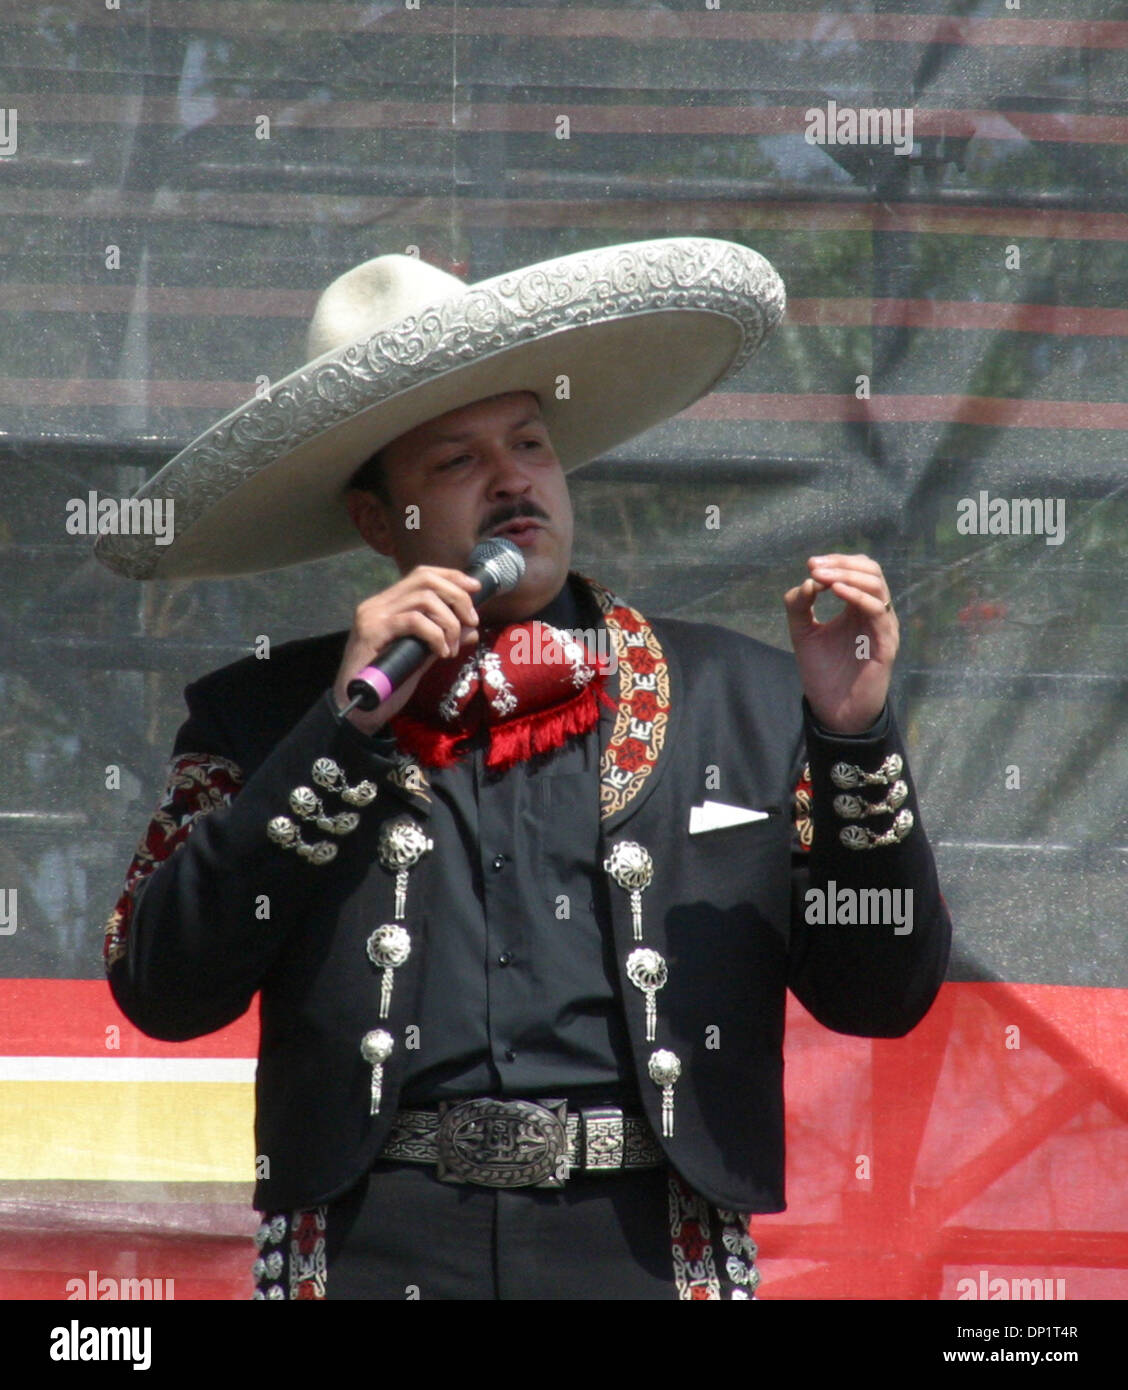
(532, 919)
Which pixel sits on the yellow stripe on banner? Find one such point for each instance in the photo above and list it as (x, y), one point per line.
(156, 1131)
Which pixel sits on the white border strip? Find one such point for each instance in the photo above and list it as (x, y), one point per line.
(127, 1069)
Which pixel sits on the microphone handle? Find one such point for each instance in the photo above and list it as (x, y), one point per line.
(398, 660)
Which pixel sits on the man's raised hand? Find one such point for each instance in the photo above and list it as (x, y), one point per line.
(845, 680)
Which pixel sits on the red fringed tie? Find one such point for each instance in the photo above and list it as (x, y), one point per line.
(521, 683)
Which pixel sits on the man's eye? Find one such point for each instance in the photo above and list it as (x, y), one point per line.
(452, 463)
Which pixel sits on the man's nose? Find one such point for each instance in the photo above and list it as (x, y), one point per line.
(508, 474)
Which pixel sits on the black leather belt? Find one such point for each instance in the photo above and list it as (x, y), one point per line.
(521, 1143)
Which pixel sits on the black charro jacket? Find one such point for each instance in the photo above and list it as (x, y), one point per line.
(726, 908)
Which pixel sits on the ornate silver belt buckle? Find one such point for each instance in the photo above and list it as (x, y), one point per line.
(503, 1143)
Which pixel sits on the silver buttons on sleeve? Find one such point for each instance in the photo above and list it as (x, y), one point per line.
(327, 774)
(283, 831)
(859, 837)
(308, 807)
(849, 807)
(852, 807)
(848, 775)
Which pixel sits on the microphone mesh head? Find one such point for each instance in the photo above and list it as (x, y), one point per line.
(503, 559)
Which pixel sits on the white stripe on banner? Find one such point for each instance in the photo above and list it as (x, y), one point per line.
(127, 1069)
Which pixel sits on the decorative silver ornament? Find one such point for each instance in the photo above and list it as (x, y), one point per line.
(460, 686)
(400, 847)
(321, 852)
(647, 971)
(897, 796)
(327, 774)
(665, 1068)
(849, 775)
(388, 947)
(856, 807)
(283, 831)
(360, 795)
(376, 1047)
(273, 1263)
(632, 868)
(858, 837)
(306, 803)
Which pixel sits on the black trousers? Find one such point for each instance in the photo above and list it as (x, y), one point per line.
(402, 1234)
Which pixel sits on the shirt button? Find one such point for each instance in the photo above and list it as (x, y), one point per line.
(504, 958)
(510, 1055)
(498, 863)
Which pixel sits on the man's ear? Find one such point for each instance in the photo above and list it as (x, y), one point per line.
(370, 517)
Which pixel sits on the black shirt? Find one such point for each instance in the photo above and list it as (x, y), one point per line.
(520, 993)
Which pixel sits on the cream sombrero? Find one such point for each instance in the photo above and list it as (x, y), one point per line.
(638, 332)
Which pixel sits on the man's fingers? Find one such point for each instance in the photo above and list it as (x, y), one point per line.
(456, 589)
(860, 579)
(860, 598)
(856, 572)
(863, 562)
(800, 600)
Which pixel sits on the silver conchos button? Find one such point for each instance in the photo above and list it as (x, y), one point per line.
(665, 1068)
(647, 971)
(388, 947)
(376, 1047)
(401, 845)
(632, 868)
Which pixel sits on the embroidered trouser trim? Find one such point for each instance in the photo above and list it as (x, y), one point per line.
(401, 1234)
(714, 1256)
(291, 1261)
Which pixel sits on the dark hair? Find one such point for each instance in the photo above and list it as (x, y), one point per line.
(369, 477)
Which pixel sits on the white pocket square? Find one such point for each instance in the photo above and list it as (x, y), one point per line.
(715, 815)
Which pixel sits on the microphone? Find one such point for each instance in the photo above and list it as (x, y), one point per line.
(498, 564)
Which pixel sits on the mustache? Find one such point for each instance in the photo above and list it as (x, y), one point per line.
(511, 513)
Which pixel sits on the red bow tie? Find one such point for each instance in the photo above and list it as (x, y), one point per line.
(532, 686)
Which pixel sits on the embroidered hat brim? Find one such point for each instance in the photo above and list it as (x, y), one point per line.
(612, 341)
